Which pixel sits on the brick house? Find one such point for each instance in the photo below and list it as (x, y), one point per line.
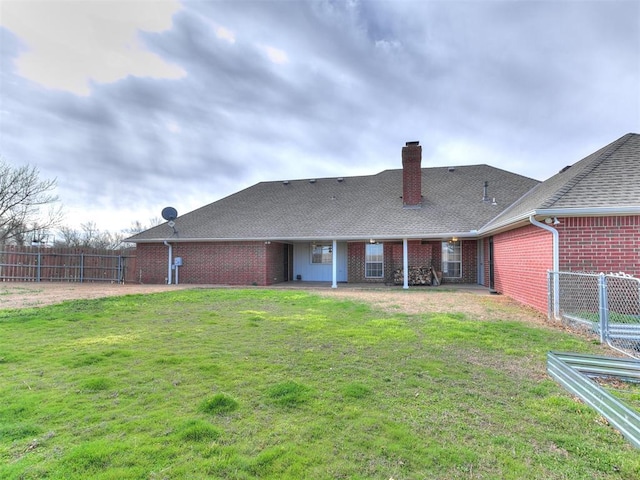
(476, 224)
(586, 218)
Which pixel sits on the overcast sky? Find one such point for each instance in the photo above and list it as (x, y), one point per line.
(138, 105)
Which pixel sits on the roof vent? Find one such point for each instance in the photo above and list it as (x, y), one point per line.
(485, 192)
(452, 169)
(340, 179)
(286, 182)
(313, 180)
(565, 169)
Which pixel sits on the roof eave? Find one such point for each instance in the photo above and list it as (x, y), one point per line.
(317, 238)
(591, 211)
(523, 218)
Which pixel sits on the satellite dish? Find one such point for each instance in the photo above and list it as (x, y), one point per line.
(169, 213)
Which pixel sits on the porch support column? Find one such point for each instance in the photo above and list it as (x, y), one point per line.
(405, 262)
(334, 261)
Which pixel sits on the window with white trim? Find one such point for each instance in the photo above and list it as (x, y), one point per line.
(374, 260)
(452, 259)
(321, 253)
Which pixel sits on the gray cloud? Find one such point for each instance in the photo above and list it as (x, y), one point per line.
(525, 86)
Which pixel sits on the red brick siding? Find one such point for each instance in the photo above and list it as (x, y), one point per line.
(600, 244)
(152, 263)
(418, 254)
(521, 260)
(469, 263)
(227, 263)
(591, 244)
(275, 263)
(355, 262)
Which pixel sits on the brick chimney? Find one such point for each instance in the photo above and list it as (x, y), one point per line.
(412, 174)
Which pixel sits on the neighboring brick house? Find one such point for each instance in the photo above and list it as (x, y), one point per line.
(477, 224)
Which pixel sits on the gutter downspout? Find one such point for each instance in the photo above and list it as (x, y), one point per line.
(170, 260)
(556, 263)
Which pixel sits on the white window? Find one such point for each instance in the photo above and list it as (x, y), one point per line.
(452, 259)
(374, 260)
(321, 253)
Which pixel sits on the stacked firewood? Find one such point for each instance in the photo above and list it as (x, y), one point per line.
(418, 276)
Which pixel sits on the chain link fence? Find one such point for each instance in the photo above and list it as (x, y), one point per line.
(607, 305)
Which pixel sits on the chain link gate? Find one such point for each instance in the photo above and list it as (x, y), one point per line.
(607, 305)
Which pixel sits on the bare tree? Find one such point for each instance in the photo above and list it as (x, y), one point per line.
(137, 226)
(68, 237)
(26, 204)
(89, 236)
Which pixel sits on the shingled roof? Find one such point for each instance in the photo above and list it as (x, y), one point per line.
(605, 182)
(352, 208)
(355, 208)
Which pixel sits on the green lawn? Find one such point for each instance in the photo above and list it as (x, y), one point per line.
(242, 384)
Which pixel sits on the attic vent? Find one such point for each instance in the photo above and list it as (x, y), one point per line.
(286, 182)
(340, 179)
(565, 169)
(452, 169)
(313, 180)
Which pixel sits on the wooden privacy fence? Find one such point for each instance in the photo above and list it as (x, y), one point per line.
(43, 264)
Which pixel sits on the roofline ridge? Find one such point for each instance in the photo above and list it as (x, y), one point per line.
(609, 150)
(456, 166)
(306, 179)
